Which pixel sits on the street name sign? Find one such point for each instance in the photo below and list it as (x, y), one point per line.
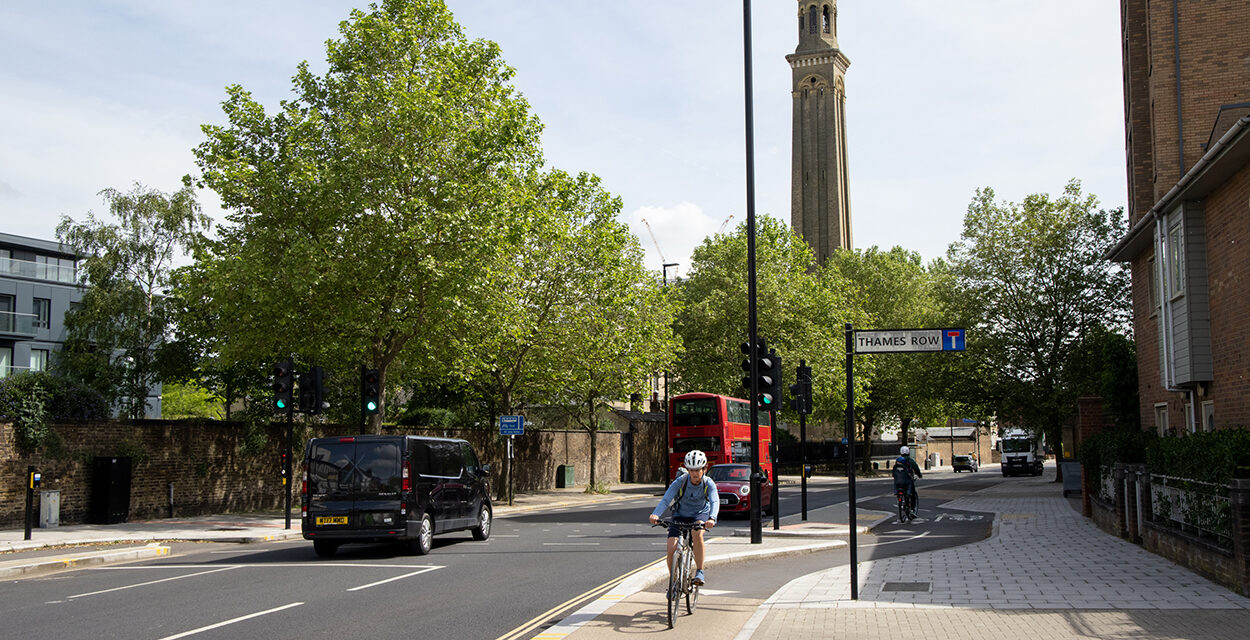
(909, 341)
(511, 425)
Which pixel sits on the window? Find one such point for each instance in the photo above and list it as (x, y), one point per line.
(1161, 418)
(6, 361)
(38, 359)
(811, 20)
(6, 264)
(1208, 415)
(6, 313)
(43, 313)
(695, 412)
(1191, 424)
(825, 22)
(1176, 261)
(702, 443)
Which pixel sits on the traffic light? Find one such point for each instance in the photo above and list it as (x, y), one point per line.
(769, 368)
(770, 398)
(305, 393)
(370, 391)
(282, 374)
(312, 391)
(801, 391)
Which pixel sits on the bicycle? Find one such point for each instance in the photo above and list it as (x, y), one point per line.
(681, 575)
(906, 505)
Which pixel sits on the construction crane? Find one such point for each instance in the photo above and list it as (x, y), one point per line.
(663, 261)
(657, 242)
(724, 224)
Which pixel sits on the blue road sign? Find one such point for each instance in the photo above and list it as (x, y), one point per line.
(952, 339)
(511, 425)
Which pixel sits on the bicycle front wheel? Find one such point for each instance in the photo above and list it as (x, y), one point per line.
(675, 586)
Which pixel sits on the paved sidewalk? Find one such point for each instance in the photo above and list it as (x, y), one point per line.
(1046, 573)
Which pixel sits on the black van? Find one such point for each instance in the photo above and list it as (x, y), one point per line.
(392, 488)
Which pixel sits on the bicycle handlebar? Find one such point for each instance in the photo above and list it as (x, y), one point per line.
(693, 526)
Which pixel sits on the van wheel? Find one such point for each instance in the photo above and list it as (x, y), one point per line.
(325, 548)
(424, 541)
(482, 530)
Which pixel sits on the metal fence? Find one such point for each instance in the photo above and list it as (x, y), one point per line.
(1199, 508)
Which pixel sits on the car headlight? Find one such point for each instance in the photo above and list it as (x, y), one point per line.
(744, 490)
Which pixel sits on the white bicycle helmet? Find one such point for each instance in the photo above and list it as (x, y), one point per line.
(904, 450)
(695, 459)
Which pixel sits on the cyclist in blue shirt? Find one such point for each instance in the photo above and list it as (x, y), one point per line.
(693, 499)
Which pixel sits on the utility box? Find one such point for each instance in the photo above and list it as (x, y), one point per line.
(49, 509)
(1071, 478)
(564, 476)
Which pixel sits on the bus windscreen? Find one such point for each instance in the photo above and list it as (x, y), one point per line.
(695, 412)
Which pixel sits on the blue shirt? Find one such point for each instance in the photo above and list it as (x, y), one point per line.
(693, 504)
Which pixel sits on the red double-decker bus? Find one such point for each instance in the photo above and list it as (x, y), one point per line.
(719, 426)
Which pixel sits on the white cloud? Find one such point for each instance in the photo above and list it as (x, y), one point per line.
(677, 229)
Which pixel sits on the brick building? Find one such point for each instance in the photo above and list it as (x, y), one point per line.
(1187, 139)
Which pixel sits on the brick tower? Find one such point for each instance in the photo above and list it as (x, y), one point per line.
(820, 204)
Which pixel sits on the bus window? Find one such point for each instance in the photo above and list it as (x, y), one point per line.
(703, 443)
(737, 411)
(740, 452)
(695, 412)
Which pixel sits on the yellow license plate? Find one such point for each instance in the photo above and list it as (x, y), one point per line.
(331, 520)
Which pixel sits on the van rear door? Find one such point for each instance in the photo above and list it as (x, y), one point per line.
(354, 483)
(331, 481)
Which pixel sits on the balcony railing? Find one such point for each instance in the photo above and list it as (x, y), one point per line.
(17, 324)
(40, 270)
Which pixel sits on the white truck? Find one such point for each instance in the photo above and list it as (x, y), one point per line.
(1021, 453)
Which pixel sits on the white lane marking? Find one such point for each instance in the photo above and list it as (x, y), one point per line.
(231, 621)
(571, 544)
(144, 584)
(406, 575)
(277, 564)
(880, 544)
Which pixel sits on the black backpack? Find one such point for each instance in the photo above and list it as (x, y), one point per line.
(902, 472)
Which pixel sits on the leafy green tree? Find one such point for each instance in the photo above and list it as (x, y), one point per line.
(1033, 275)
(519, 340)
(801, 312)
(897, 292)
(621, 334)
(369, 210)
(189, 401)
(113, 336)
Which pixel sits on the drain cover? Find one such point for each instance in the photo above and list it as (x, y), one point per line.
(905, 586)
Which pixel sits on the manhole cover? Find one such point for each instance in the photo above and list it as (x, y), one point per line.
(905, 586)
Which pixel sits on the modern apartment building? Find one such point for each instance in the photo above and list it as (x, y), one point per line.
(1187, 139)
(38, 284)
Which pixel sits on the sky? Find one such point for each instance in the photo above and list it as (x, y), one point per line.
(942, 98)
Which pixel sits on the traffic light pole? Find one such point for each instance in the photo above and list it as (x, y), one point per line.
(757, 530)
(286, 464)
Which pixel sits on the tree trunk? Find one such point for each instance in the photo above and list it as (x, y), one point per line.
(593, 444)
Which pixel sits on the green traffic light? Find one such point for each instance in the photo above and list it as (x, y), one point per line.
(371, 405)
(281, 404)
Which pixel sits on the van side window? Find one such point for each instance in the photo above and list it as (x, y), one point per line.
(447, 459)
(470, 458)
(419, 454)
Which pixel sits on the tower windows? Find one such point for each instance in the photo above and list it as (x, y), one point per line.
(825, 23)
(811, 20)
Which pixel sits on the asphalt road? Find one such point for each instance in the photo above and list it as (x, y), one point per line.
(534, 563)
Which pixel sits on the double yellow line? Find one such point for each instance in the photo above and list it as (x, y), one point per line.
(558, 612)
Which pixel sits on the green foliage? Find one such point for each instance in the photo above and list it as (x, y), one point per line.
(1215, 457)
(1101, 451)
(31, 420)
(61, 399)
(189, 401)
(1032, 277)
(801, 310)
(377, 202)
(124, 318)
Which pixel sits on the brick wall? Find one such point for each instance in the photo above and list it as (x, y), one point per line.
(209, 475)
(1228, 278)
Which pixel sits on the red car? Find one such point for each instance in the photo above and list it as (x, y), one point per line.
(733, 483)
